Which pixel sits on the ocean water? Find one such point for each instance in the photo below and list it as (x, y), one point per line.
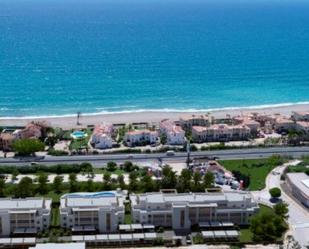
(58, 57)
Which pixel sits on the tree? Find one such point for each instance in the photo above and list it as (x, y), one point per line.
(107, 181)
(15, 173)
(121, 183)
(148, 184)
(133, 184)
(209, 179)
(275, 160)
(73, 182)
(184, 182)
(267, 227)
(163, 138)
(2, 187)
(275, 192)
(281, 209)
(50, 141)
(42, 183)
(27, 147)
(89, 186)
(87, 168)
(169, 178)
(128, 166)
(24, 188)
(197, 178)
(111, 166)
(57, 184)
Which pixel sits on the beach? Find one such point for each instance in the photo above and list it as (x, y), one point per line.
(67, 122)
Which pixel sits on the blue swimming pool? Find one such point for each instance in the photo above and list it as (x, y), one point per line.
(78, 134)
(92, 195)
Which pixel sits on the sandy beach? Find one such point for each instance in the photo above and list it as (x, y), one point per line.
(150, 116)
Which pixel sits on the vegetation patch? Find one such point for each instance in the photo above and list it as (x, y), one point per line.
(256, 169)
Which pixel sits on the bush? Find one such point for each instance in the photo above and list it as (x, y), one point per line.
(198, 239)
(27, 147)
(275, 192)
(111, 166)
(53, 152)
(56, 169)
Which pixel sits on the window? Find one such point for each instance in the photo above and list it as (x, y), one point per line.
(182, 218)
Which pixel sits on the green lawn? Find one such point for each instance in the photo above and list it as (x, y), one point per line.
(257, 169)
(246, 235)
(102, 171)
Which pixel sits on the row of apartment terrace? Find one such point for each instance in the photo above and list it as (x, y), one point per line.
(220, 132)
(104, 212)
(24, 216)
(90, 212)
(181, 211)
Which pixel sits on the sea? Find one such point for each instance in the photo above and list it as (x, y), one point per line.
(60, 57)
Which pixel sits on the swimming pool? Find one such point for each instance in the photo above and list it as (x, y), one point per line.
(78, 134)
(91, 195)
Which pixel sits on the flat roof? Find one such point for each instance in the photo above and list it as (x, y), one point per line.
(26, 203)
(191, 198)
(60, 246)
(301, 181)
(91, 200)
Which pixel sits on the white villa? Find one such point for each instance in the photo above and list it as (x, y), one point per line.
(175, 135)
(141, 137)
(102, 136)
(19, 217)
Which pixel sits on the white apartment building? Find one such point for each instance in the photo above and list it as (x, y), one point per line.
(175, 135)
(102, 136)
(298, 184)
(181, 211)
(220, 133)
(24, 216)
(141, 137)
(93, 212)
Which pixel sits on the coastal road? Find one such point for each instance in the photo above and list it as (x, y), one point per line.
(100, 160)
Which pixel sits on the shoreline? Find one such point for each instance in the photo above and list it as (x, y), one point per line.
(148, 116)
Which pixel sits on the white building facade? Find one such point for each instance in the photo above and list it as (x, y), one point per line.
(181, 211)
(298, 184)
(102, 136)
(93, 212)
(175, 135)
(24, 216)
(220, 133)
(141, 137)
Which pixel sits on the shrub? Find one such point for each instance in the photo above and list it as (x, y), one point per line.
(111, 166)
(275, 192)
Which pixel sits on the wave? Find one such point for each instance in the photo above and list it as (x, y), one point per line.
(163, 110)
